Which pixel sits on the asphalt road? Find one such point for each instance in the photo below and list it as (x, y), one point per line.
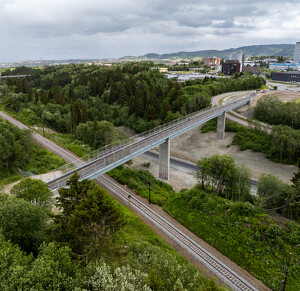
(183, 164)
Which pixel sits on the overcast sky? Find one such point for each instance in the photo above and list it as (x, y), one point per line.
(64, 29)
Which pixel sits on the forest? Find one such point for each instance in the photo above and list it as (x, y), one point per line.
(77, 250)
(92, 243)
(72, 97)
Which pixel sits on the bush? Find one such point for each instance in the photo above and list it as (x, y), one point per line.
(243, 209)
(22, 223)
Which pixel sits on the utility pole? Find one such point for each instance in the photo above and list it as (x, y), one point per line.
(149, 184)
(283, 283)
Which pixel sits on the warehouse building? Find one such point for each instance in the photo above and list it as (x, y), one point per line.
(292, 77)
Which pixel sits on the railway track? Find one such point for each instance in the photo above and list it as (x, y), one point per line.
(231, 278)
(226, 274)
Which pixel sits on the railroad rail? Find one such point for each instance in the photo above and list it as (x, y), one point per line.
(226, 274)
(113, 156)
(231, 278)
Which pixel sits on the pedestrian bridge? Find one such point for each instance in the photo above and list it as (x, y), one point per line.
(111, 156)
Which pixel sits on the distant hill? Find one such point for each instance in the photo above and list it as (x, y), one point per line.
(285, 50)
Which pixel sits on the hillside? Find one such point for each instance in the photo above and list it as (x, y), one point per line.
(286, 50)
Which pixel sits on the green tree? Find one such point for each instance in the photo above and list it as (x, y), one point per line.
(35, 191)
(97, 133)
(294, 210)
(53, 269)
(242, 180)
(89, 219)
(202, 172)
(221, 171)
(275, 195)
(22, 223)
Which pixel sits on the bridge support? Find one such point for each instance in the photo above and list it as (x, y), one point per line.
(221, 126)
(164, 160)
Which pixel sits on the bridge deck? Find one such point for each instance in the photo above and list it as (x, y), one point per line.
(118, 154)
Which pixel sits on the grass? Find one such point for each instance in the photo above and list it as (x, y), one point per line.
(42, 161)
(220, 101)
(146, 250)
(160, 192)
(297, 101)
(238, 230)
(8, 178)
(252, 239)
(65, 140)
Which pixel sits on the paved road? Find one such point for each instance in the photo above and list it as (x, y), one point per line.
(284, 87)
(234, 116)
(175, 162)
(232, 277)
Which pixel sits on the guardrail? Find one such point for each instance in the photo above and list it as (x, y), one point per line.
(118, 153)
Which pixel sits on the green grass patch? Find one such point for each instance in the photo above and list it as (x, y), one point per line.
(8, 178)
(297, 101)
(160, 192)
(65, 140)
(238, 230)
(43, 161)
(150, 253)
(209, 126)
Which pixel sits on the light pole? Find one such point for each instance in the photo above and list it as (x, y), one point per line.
(149, 184)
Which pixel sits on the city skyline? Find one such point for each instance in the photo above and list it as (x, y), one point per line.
(32, 29)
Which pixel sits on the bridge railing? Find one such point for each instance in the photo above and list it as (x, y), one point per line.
(114, 147)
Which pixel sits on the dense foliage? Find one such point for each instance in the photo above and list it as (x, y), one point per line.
(93, 248)
(62, 97)
(22, 223)
(15, 147)
(281, 145)
(272, 110)
(240, 231)
(34, 191)
(223, 177)
(279, 197)
(89, 219)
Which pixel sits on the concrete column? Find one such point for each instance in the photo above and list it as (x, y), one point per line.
(221, 126)
(164, 160)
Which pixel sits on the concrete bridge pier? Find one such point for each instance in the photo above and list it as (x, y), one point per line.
(164, 160)
(221, 126)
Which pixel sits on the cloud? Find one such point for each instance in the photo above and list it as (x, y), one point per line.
(101, 28)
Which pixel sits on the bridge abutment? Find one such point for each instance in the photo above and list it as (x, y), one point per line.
(221, 126)
(164, 160)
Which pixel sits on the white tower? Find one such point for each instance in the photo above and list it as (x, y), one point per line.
(238, 56)
(296, 59)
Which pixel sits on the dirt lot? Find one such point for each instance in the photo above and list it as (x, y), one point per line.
(284, 96)
(193, 145)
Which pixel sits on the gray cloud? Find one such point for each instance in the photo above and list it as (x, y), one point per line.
(30, 29)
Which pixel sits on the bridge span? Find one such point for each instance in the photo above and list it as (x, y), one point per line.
(14, 76)
(117, 154)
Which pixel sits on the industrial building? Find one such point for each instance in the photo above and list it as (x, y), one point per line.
(230, 67)
(286, 76)
(212, 61)
(284, 66)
